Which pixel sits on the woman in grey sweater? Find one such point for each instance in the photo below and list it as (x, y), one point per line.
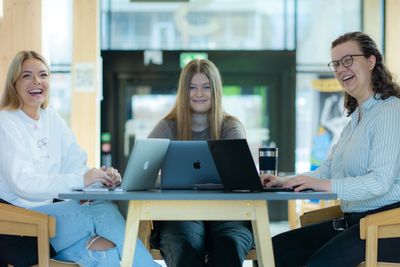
(198, 115)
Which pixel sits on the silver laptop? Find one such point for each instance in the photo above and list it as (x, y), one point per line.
(143, 166)
(187, 165)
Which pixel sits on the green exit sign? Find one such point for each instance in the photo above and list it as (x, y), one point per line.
(185, 58)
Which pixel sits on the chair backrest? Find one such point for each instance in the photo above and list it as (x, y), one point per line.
(324, 214)
(385, 224)
(26, 230)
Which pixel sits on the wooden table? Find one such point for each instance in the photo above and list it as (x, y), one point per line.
(185, 205)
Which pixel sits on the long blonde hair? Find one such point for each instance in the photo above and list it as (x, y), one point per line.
(10, 99)
(182, 112)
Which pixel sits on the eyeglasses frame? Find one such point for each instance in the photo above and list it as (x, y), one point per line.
(340, 61)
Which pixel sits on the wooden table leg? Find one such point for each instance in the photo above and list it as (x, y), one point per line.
(262, 235)
(131, 232)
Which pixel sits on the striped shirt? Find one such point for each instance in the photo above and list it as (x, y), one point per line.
(364, 166)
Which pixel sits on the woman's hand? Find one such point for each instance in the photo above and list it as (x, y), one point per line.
(97, 175)
(270, 180)
(302, 182)
(114, 174)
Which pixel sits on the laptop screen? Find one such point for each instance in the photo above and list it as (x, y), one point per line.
(235, 164)
(188, 163)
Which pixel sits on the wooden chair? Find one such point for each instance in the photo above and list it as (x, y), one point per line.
(144, 234)
(19, 221)
(385, 224)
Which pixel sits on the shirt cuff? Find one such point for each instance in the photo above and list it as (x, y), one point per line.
(337, 187)
(76, 181)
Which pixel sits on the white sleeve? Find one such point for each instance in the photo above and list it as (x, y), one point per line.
(73, 157)
(17, 167)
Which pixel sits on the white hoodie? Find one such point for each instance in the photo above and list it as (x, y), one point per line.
(38, 158)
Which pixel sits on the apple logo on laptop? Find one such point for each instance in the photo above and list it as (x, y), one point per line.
(196, 164)
(146, 165)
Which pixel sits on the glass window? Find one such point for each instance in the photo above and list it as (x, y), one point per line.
(314, 36)
(315, 32)
(202, 24)
(57, 46)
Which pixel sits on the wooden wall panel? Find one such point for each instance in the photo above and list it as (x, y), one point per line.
(20, 29)
(392, 41)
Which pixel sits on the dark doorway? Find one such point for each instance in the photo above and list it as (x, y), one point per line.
(258, 85)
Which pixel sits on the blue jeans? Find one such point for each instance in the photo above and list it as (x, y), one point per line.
(204, 243)
(76, 224)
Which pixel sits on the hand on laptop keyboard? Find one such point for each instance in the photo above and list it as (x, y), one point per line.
(113, 174)
(284, 189)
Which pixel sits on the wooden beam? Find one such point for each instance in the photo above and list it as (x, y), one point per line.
(373, 20)
(85, 110)
(392, 42)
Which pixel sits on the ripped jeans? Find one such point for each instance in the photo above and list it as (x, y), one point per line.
(76, 224)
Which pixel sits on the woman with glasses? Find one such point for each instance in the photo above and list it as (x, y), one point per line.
(363, 168)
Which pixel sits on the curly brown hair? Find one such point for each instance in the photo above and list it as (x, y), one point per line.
(383, 83)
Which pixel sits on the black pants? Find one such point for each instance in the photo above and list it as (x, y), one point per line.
(320, 245)
(186, 243)
(19, 251)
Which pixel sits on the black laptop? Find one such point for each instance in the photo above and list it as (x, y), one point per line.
(236, 167)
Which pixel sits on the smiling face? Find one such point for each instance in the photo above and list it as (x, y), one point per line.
(355, 79)
(200, 94)
(32, 86)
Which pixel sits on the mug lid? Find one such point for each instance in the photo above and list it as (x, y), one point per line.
(268, 149)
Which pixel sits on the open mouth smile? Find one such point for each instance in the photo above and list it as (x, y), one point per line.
(35, 92)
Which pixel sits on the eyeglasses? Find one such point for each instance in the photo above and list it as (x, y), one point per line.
(346, 61)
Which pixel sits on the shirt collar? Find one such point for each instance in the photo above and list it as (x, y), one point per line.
(370, 102)
(366, 106)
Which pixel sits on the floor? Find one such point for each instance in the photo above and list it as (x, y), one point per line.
(275, 228)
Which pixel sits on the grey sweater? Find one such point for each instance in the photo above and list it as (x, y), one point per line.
(231, 129)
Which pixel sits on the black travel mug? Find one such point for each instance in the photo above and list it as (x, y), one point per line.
(268, 160)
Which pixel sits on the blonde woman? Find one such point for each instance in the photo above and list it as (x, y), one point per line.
(40, 158)
(198, 115)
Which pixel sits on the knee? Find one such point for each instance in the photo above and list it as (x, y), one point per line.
(318, 259)
(241, 243)
(181, 253)
(182, 246)
(230, 248)
(99, 243)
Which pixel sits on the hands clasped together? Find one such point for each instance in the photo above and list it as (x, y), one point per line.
(109, 177)
(298, 182)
